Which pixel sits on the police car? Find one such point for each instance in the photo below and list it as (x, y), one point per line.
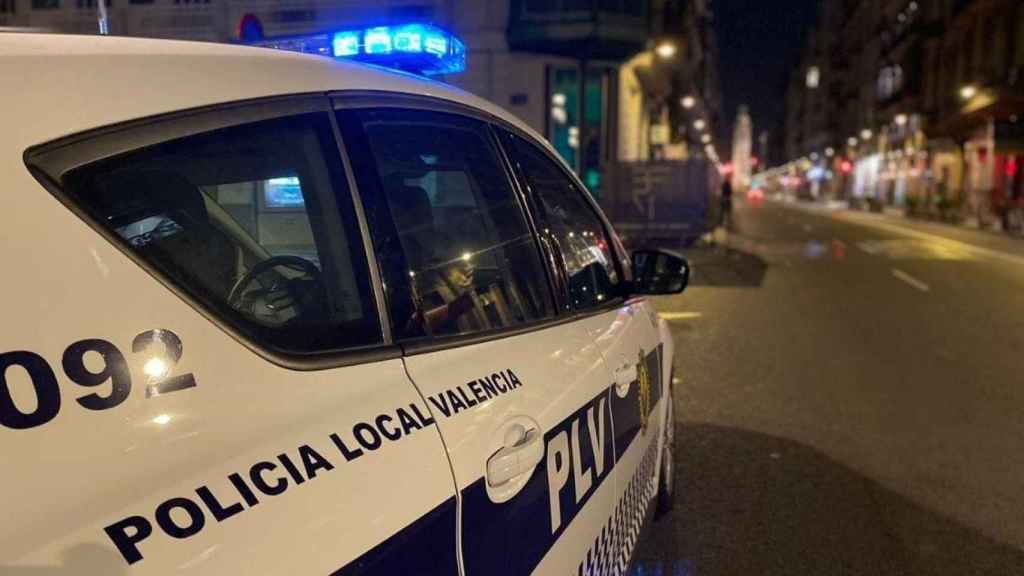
(275, 313)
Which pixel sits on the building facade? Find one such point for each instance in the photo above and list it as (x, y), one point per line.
(588, 74)
(923, 109)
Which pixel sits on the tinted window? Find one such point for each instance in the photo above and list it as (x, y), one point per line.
(452, 239)
(251, 221)
(568, 220)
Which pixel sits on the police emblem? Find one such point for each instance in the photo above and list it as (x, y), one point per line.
(644, 382)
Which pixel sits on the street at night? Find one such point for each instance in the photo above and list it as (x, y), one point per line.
(848, 395)
(512, 287)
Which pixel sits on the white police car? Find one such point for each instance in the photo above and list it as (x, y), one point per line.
(271, 313)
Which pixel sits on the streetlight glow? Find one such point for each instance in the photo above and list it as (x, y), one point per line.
(699, 124)
(688, 102)
(830, 151)
(968, 92)
(706, 138)
(666, 50)
(901, 119)
(865, 134)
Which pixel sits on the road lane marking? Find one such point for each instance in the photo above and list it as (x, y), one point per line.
(929, 237)
(670, 316)
(867, 221)
(910, 280)
(869, 247)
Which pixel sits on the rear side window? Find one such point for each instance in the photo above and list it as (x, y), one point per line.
(452, 239)
(570, 223)
(253, 221)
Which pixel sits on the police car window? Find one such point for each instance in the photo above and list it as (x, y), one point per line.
(253, 221)
(568, 220)
(468, 260)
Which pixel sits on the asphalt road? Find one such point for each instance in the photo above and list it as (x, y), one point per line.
(850, 401)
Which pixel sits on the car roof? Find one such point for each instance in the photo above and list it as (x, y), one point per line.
(63, 84)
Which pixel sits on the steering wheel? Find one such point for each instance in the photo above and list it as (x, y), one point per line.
(287, 261)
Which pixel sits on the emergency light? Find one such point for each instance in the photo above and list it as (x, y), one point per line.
(418, 48)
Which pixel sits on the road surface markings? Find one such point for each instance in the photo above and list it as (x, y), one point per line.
(670, 316)
(869, 247)
(910, 280)
(867, 220)
(949, 243)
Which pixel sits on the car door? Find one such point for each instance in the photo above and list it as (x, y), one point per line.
(624, 329)
(194, 377)
(519, 391)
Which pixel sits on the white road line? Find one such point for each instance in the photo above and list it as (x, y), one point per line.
(941, 240)
(670, 316)
(910, 280)
(867, 221)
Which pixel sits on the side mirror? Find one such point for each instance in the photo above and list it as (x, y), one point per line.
(659, 272)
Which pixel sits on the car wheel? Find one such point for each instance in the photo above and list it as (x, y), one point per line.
(666, 478)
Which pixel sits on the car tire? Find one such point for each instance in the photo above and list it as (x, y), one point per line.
(666, 476)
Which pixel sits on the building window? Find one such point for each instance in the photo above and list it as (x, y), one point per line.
(813, 77)
(563, 120)
(890, 81)
(45, 4)
(1019, 44)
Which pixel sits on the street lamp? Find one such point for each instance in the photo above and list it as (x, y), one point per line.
(699, 124)
(852, 140)
(665, 50)
(865, 134)
(901, 119)
(968, 92)
(688, 102)
(706, 138)
(830, 151)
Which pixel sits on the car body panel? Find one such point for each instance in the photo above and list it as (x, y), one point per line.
(389, 509)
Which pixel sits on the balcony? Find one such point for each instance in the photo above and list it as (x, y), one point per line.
(602, 29)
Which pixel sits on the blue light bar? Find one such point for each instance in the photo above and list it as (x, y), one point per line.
(346, 43)
(418, 48)
(377, 40)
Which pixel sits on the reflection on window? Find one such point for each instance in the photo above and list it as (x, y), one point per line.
(283, 192)
(238, 218)
(149, 229)
(571, 225)
(471, 264)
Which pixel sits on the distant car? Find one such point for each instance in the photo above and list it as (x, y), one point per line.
(270, 313)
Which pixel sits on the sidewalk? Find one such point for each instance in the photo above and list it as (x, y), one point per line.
(893, 219)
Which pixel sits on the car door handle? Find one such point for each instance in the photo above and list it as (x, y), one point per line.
(624, 377)
(517, 459)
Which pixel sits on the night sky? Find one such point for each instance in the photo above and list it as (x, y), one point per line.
(760, 43)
